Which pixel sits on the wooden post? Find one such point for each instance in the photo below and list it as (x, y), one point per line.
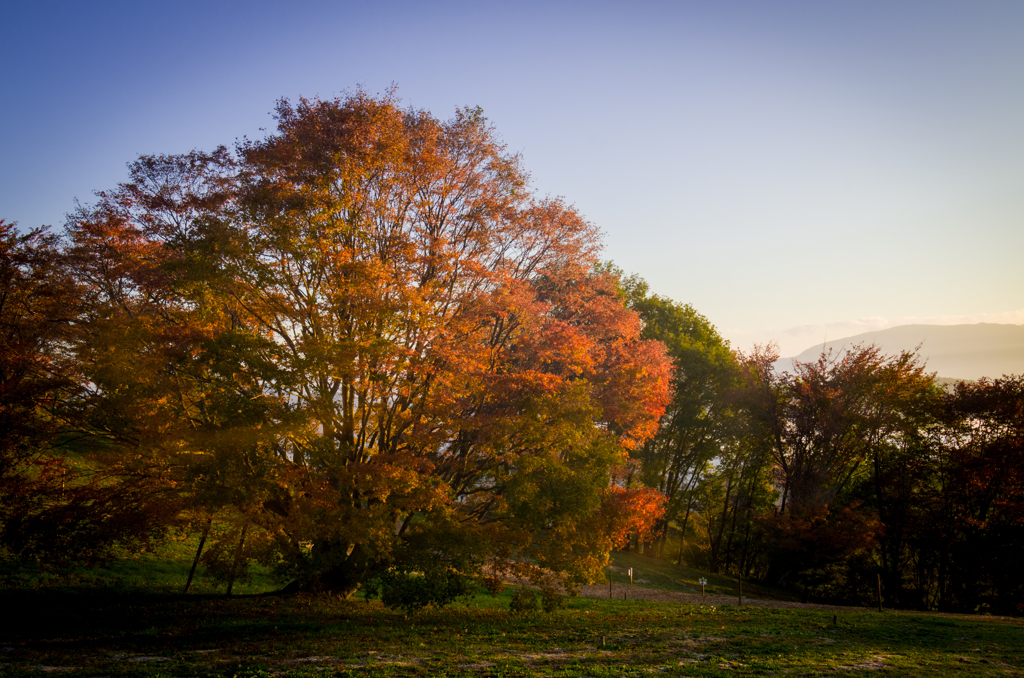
(835, 620)
(879, 592)
(631, 576)
(741, 589)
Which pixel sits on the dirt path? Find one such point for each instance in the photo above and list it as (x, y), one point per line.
(640, 593)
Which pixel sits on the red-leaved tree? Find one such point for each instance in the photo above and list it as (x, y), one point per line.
(366, 340)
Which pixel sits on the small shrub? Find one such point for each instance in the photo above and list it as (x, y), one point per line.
(523, 602)
(551, 599)
(494, 585)
(412, 591)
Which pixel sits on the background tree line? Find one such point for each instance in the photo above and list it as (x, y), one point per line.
(855, 465)
(363, 352)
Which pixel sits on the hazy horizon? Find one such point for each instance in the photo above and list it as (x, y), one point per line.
(964, 351)
(795, 340)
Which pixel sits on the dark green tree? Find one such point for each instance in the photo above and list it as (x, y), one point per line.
(698, 426)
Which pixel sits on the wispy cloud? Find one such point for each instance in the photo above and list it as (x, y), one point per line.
(793, 340)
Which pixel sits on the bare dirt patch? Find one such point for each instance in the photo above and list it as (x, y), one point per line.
(872, 664)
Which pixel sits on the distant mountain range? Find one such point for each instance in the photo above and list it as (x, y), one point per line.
(951, 351)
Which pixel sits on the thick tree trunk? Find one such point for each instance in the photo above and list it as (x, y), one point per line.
(351, 570)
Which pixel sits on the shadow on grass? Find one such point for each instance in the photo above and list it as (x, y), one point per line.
(103, 632)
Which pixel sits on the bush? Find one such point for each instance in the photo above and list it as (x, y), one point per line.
(551, 599)
(523, 602)
(494, 585)
(412, 591)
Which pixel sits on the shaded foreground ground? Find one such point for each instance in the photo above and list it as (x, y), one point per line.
(101, 632)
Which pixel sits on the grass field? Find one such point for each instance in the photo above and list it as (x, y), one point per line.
(104, 633)
(81, 627)
(162, 571)
(665, 575)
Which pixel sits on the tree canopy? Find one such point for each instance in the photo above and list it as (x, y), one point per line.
(365, 339)
(363, 351)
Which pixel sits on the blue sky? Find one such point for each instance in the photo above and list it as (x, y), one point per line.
(795, 170)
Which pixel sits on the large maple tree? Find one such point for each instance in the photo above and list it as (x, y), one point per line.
(366, 339)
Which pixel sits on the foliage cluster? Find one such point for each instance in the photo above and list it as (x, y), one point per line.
(361, 347)
(362, 352)
(853, 468)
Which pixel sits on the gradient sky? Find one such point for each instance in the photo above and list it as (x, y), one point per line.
(795, 170)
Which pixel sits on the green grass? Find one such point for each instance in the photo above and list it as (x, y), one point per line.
(130, 619)
(104, 633)
(166, 571)
(162, 571)
(661, 574)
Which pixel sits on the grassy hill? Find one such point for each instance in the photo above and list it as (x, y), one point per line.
(667, 576)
